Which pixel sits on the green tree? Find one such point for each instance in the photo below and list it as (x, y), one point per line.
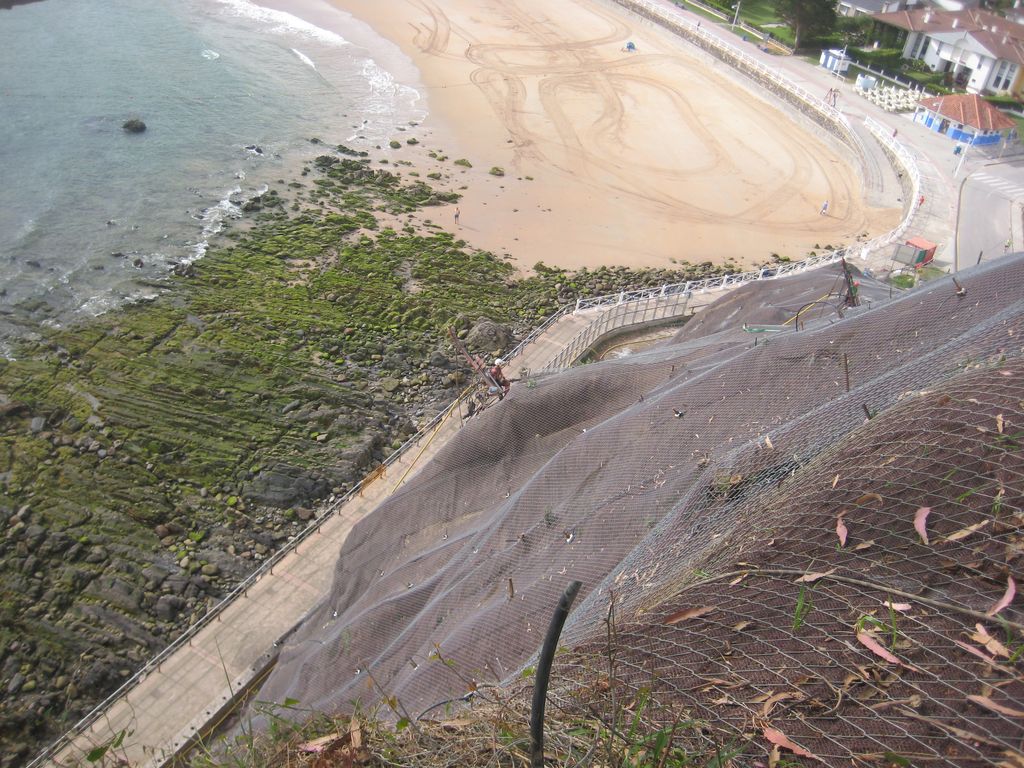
(854, 30)
(807, 17)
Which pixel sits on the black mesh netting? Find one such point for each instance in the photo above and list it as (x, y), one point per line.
(814, 535)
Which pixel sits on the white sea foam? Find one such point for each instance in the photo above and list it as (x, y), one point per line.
(282, 22)
(210, 55)
(304, 58)
(213, 219)
(100, 304)
(387, 90)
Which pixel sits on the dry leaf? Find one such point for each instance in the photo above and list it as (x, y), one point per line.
(689, 613)
(741, 626)
(876, 648)
(322, 743)
(864, 545)
(999, 423)
(810, 578)
(1006, 599)
(921, 522)
(775, 698)
(716, 682)
(992, 645)
(963, 533)
(975, 652)
(738, 579)
(868, 497)
(355, 733)
(960, 733)
(835, 481)
(841, 531)
(902, 607)
(780, 739)
(986, 702)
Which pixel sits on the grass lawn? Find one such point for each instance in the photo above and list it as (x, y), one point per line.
(699, 11)
(930, 81)
(930, 272)
(785, 34)
(759, 12)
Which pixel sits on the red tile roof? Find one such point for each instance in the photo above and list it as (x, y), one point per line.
(1002, 37)
(969, 109)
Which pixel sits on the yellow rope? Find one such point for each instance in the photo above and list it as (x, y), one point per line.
(804, 309)
(451, 410)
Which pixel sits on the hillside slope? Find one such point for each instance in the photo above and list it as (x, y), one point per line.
(699, 483)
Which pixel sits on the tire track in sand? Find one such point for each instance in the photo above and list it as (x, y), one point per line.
(538, 85)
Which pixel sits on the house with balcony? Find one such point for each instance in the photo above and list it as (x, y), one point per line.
(982, 52)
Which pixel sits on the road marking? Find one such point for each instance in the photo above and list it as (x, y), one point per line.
(1014, 190)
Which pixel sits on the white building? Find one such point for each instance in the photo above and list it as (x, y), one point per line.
(982, 52)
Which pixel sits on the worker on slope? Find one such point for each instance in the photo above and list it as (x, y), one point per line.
(497, 375)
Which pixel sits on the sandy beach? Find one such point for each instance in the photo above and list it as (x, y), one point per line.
(611, 157)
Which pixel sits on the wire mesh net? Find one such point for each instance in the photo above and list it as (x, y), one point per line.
(809, 536)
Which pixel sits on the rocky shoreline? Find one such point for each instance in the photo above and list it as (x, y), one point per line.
(151, 458)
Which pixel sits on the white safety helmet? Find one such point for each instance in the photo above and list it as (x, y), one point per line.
(499, 361)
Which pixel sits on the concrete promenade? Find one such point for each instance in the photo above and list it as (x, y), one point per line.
(173, 703)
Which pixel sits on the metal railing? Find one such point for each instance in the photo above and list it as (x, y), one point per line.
(666, 300)
(636, 311)
(901, 156)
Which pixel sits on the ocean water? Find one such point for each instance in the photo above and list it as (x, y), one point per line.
(83, 203)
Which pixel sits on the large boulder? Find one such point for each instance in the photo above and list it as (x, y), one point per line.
(489, 337)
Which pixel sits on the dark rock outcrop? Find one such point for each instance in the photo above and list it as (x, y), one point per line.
(284, 486)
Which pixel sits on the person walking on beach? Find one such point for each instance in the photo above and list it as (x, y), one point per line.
(457, 217)
(824, 208)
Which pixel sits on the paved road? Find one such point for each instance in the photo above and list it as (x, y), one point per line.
(991, 199)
